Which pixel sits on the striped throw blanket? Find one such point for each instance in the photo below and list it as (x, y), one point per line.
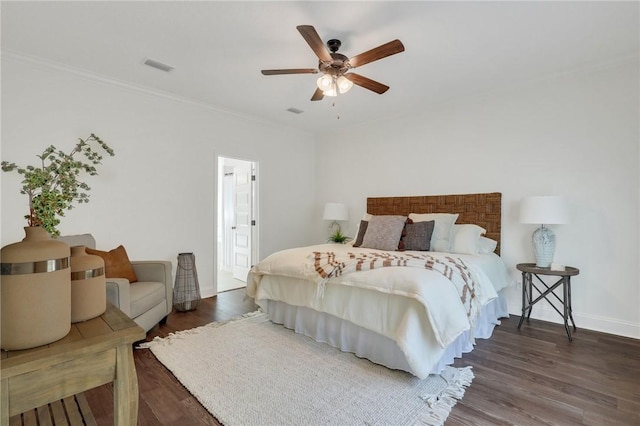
(329, 264)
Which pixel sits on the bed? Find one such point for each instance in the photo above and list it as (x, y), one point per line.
(408, 309)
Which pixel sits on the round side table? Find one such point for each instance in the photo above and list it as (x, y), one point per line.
(530, 270)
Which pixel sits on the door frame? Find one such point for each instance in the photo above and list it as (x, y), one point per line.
(255, 241)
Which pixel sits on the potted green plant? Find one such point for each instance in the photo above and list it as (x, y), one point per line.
(338, 237)
(54, 185)
(36, 289)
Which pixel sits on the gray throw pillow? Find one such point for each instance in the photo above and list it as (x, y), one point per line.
(361, 231)
(384, 232)
(418, 235)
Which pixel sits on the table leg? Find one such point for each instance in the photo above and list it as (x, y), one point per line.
(530, 294)
(125, 388)
(526, 298)
(4, 402)
(566, 303)
(570, 306)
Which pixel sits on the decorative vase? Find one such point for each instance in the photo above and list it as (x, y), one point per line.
(35, 290)
(88, 285)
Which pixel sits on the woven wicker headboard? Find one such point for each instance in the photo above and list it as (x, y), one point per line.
(484, 210)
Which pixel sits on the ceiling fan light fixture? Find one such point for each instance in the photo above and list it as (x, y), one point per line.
(331, 92)
(327, 84)
(344, 84)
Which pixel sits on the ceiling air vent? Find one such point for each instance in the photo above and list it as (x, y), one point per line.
(158, 65)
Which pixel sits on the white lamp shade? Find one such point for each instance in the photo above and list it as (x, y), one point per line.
(335, 211)
(544, 210)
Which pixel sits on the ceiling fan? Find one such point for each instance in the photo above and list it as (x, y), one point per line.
(336, 67)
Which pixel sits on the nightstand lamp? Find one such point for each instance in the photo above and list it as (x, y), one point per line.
(335, 212)
(544, 210)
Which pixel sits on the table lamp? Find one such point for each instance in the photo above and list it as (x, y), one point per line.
(335, 212)
(544, 210)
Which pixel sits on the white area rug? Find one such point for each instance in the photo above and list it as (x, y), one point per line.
(253, 372)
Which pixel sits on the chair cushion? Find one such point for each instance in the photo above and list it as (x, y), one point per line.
(145, 295)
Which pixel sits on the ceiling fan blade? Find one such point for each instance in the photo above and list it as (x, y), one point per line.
(315, 42)
(376, 53)
(367, 83)
(317, 95)
(291, 71)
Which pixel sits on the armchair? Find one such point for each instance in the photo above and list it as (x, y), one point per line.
(147, 301)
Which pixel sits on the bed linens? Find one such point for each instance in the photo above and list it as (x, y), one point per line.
(382, 350)
(332, 264)
(396, 310)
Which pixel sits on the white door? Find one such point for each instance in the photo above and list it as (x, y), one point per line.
(243, 196)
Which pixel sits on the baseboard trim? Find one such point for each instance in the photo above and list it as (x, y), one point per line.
(207, 292)
(588, 322)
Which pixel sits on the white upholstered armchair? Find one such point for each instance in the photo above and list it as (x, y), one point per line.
(147, 301)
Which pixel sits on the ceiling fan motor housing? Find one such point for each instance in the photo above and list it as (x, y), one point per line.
(338, 66)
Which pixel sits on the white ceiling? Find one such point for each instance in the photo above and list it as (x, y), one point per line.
(453, 49)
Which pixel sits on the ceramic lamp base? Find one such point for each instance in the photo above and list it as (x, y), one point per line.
(544, 246)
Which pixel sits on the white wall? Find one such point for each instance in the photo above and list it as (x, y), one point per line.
(574, 134)
(157, 195)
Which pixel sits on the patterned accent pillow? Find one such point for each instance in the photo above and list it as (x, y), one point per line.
(361, 231)
(418, 235)
(384, 232)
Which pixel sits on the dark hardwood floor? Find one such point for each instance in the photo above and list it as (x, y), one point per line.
(529, 377)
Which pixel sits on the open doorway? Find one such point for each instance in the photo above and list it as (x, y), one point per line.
(237, 222)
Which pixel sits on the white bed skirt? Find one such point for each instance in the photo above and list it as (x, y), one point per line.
(367, 344)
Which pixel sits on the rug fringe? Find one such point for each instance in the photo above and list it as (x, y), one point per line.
(180, 334)
(442, 404)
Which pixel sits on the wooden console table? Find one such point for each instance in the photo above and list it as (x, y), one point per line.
(95, 352)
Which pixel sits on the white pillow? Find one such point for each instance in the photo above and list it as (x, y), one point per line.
(486, 245)
(441, 237)
(465, 238)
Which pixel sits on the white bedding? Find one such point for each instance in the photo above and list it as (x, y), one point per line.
(418, 309)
